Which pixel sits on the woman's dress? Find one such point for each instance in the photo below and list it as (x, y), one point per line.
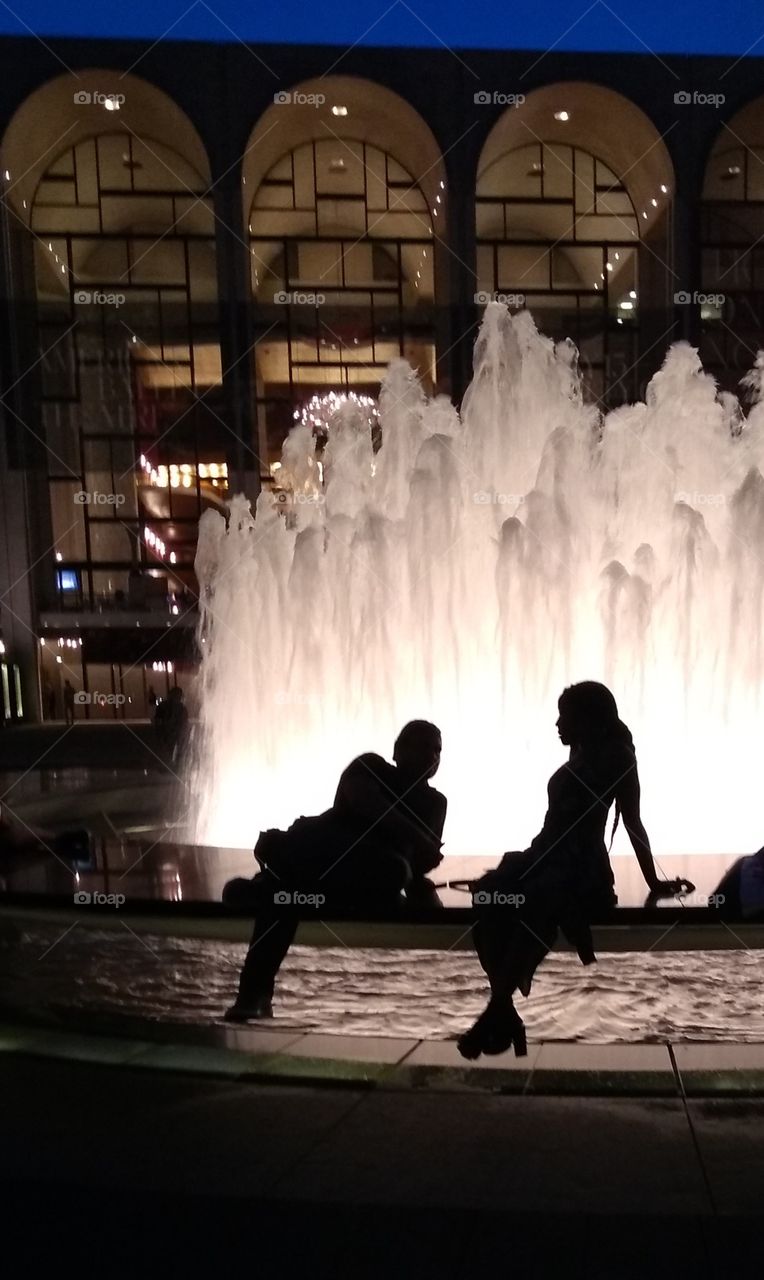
(563, 881)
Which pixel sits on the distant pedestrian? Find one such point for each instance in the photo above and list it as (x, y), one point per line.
(68, 702)
(171, 725)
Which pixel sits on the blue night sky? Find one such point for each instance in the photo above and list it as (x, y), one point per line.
(664, 26)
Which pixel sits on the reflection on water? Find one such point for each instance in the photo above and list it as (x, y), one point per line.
(632, 997)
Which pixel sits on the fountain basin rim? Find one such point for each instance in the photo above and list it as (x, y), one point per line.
(661, 928)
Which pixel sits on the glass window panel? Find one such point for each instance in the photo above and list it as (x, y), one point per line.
(58, 218)
(755, 189)
(573, 266)
(712, 268)
(100, 261)
(87, 173)
(357, 261)
(346, 216)
(409, 198)
(345, 298)
(741, 225)
(395, 171)
(602, 228)
(283, 222)
(160, 261)
(64, 165)
(319, 263)
(541, 221)
(100, 676)
(157, 167)
(489, 221)
(523, 267)
(61, 428)
(403, 226)
(280, 196)
(385, 350)
(385, 301)
(267, 258)
(725, 175)
(604, 175)
(485, 277)
(67, 519)
(557, 308)
(585, 167)
(56, 194)
(558, 171)
(416, 262)
(141, 213)
(377, 175)
(304, 178)
(616, 203)
(97, 456)
(282, 169)
(591, 346)
(58, 363)
(340, 167)
(202, 267)
(518, 173)
(113, 162)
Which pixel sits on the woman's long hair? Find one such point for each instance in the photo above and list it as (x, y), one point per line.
(592, 704)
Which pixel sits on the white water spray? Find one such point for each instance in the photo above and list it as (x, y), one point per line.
(468, 572)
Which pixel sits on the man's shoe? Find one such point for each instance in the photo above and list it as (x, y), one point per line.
(262, 1008)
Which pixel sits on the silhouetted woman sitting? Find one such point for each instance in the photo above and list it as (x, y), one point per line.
(564, 880)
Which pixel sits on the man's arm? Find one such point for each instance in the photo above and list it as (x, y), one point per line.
(363, 795)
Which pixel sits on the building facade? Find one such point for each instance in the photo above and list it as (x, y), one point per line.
(202, 241)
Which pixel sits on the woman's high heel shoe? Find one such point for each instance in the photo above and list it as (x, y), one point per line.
(495, 1032)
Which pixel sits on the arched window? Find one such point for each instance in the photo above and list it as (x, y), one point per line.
(732, 236)
(125, 281)
(557, 232)
(574, 213)
(341, 240)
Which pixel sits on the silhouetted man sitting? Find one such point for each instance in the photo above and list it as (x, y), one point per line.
(379, 840)
(740, 892)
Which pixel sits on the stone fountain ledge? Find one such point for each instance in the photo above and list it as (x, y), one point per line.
(288, 1056)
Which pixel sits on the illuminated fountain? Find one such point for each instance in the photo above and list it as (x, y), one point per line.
(472, 568)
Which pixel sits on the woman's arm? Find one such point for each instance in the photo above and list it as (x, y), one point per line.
(628, 797)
